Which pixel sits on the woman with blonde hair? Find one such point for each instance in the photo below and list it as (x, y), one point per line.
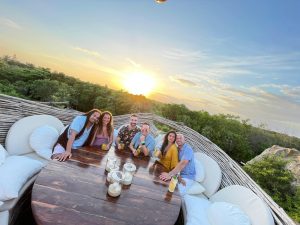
(104, 133)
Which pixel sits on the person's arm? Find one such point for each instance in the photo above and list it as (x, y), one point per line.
(144, 149)
(180, 166)
(68, 154)
(132, 149)
(135, 140)
(131, 146)
(147, 149)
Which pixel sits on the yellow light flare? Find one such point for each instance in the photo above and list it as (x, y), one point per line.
(138, 83)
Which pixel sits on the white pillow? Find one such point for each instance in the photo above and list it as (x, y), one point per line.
(2, 154)
(115, 137)
(1, 203)
(196, 210)
(42, 140)
(195, 189)
(63, 129)
(224, 213)
(200, 171)
(159, 139)
(14, 173)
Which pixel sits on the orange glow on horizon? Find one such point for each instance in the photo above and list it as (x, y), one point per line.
(138, 83)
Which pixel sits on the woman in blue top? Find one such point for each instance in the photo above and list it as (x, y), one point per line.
(75, 135)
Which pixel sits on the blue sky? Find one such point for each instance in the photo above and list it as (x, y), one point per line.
(237, 57)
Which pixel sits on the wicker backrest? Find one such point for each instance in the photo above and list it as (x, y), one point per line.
(12, 109)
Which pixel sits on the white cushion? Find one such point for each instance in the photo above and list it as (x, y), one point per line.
(14, 173)
(196, 210)
(4, 217)
(115, 137)
(250, 203)
(35, 156)
(42, 140)
(224, 213)
(2, 154)
(1, 203)
(159, 140)
(17, 139)
(195, 189)
(213, 174)
(200, 171)
(63, 129)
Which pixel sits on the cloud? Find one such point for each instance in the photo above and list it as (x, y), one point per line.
(9, 23)
(86, 51)
(279, 111)
(290, 93)
(184, 82)
(179, 54)
(133, 63)
(284, 61)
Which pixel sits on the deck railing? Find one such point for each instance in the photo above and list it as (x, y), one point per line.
(12, 109)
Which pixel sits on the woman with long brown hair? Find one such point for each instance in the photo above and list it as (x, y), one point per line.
(169, 151)
(75, 135)
(104, 133)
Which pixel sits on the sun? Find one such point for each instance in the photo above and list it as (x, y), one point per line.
(138, 83)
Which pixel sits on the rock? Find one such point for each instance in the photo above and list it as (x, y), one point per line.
(291, 154)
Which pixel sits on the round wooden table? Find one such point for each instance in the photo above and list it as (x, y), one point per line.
(75, 192)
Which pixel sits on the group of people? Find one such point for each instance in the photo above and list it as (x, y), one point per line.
(95, 128)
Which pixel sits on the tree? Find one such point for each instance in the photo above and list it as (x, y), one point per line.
(271, 174)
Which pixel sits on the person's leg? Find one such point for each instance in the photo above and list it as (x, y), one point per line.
(58, 150)
(184, 186)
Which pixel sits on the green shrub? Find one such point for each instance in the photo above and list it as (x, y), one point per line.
(271, 174)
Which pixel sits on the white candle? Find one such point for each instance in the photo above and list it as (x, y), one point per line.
(114, 189)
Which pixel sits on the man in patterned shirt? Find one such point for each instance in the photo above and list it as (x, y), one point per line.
(127, 132)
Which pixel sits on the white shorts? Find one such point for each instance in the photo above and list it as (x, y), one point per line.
(182, 189)
(58, 149)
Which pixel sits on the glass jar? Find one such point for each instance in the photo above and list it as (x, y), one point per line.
(110, 163)
(128, 171)
(114, 189)
(108, 178)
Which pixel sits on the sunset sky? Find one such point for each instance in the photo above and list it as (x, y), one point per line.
(236, 57)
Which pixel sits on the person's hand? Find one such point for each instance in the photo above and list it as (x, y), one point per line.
(134, 152)
(181, 181)
(164, 176)
(64, 156)
(119, 146)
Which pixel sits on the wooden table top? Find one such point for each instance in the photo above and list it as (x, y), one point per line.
(75, 192)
